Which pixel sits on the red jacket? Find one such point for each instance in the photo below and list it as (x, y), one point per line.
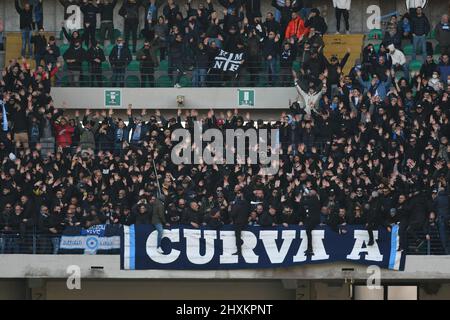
(296, 27)
(63, 135)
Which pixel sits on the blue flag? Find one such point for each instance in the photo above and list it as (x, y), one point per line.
(5, 119)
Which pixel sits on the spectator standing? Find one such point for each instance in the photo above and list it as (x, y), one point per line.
(392, 36)
(398, 61)
(26, 26)
(342, 8)
(240, 209)
(119, 59)
(40, 45)
(2, 29)
(74, 57)
(162, 31)
(309, 214)
(286, 12)
(442, 33)
(130, 12)
(106, 8)
(52, 52)
(271, 50)
(176, 58)
(68, 4)
(287, 58)
(201, 64)
(38, 13)
(420, 27)
(63, 132)
(90, 10)
(316, 21)
(150, 14)
(95, 57)
(158, 219)
(148, 61)
(441, 207)
(296, 28)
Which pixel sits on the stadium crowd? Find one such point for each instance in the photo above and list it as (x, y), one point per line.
(367, 148)
(189, 39)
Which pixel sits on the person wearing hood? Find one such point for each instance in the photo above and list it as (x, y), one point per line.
(316, 21)
(398, 60)
(310, 98)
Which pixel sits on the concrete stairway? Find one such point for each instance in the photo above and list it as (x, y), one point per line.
(13, 46)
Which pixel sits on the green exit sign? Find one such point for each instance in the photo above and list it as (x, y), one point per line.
(246, 98)
(113, 98)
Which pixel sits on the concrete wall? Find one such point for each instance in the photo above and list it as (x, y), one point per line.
(165, 290)
(165, 98)
(55, 266)
(54, 12)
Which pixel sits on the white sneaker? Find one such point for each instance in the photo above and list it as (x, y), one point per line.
(348, 32)
(177, 86)
(159, 250)
(337, 32)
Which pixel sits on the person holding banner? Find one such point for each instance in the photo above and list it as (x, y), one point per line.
(240, 209)
(309, 214)
(158, 219)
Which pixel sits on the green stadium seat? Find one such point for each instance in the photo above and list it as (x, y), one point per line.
(164, 82)
(375, 34)
(163, 66)
(415, 65)
(133, 66)
(106, 81)
(106, 66)
(108, 49)
(432, 34)
(65, 81)
(133, 82)
(437, 49)
(408, 49)
(85, 67)
(63, 48)
(185, 82)
(296, 65)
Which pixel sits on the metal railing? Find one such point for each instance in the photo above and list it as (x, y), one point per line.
(35, 242)
(164, 79)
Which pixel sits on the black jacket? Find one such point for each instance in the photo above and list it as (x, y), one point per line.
(107, 11)
(79, 55)
(95, 53)
(267, 220)
(90, 13)
(130, 11)
(239, 212)
(40, 44)
(120, 62)
(52, 57)
(26, 17)
(420, 26)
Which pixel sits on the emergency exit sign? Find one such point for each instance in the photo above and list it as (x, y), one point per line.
(246, 98)
(113, 98)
